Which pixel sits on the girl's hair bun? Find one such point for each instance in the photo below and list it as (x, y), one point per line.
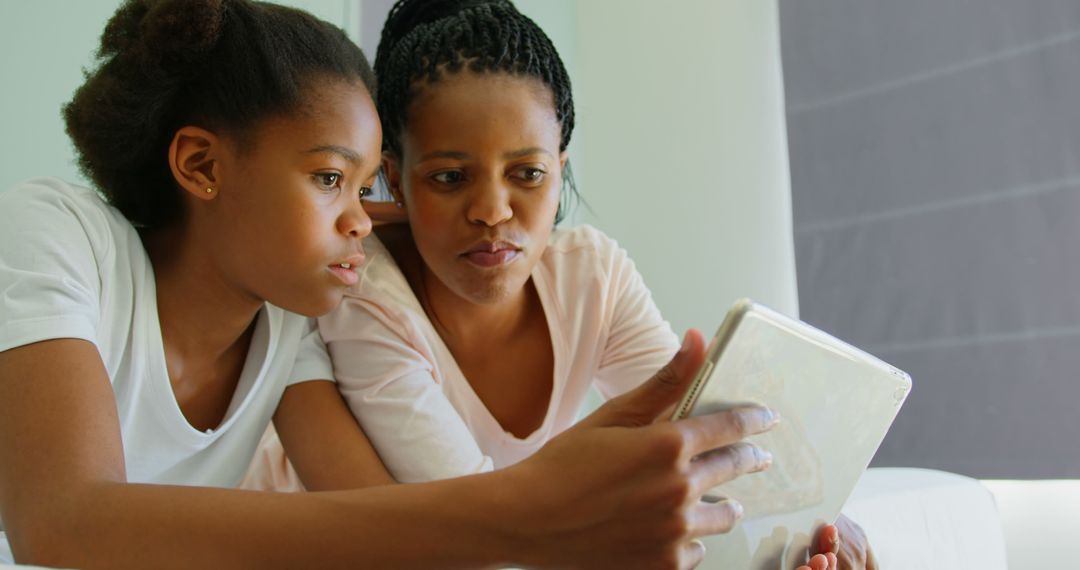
(166, 33)
(224, 65)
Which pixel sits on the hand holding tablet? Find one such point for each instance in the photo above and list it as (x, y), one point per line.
(837, 403)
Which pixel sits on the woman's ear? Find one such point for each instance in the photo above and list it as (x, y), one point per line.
(563, 157)
(391, 169)
(193, 159)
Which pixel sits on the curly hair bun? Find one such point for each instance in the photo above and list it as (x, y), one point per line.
(167, 33)
(224, 65)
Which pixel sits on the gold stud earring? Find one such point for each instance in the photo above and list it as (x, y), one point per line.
(209, 190)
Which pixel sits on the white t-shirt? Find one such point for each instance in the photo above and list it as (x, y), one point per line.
(73, 267)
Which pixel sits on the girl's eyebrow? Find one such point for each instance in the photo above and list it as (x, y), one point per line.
(346, 153)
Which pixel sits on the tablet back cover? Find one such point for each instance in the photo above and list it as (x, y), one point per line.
(837, 403)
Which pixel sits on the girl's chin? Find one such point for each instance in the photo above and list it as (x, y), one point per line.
(312, 305)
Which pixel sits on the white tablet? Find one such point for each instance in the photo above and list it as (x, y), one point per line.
(837, 402)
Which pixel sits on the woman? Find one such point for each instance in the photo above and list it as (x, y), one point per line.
(149, 332)
(474, 334)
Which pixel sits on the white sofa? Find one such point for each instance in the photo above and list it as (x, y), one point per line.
(919, 519)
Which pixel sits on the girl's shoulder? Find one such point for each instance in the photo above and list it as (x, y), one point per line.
(50, 206)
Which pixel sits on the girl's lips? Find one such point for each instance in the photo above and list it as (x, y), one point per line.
(346, 271)
(492, 258)
(347, 276)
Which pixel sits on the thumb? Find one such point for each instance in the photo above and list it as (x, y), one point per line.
(646, 403)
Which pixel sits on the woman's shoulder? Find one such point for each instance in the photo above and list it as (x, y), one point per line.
(383, 289)
(384, 273)
(584, 246)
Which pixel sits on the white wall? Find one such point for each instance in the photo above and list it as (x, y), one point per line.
(44, 46)
(681, 115)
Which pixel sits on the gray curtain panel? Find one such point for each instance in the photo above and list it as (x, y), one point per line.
(936, 189)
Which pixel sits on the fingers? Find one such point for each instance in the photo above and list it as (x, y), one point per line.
(821, 562)
(713, 431)
(871, 560)
(647, 402)
(828, 540)
(717, 518)
(722, 465)
(692, 555)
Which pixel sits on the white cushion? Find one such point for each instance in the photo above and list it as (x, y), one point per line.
(920, 519)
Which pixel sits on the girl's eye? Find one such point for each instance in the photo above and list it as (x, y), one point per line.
(365, 191)
(449, 177)
(327, 180)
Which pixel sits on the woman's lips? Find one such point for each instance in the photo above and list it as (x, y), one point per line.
(492, 253)
(492, 258)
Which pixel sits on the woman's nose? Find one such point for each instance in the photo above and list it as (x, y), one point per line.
(489, 204)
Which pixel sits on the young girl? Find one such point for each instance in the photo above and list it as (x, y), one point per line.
(149, 332)
(475, 333)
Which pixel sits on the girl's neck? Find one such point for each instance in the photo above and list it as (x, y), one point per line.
(201, 315)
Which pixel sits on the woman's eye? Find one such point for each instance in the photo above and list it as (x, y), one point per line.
(531, 174)
(327, 180)
(449, 177)
(365, 191)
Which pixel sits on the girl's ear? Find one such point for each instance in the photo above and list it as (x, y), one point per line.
(193, 159)
(390, 167)
(563, 157)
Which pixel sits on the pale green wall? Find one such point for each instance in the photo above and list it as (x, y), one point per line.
(44, 45)
(681, 111)
(680, 148)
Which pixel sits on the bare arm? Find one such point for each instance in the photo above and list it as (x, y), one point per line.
(65, 500)
(614, 480)
(324, 443)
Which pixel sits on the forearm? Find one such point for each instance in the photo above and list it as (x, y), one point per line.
(461, 523)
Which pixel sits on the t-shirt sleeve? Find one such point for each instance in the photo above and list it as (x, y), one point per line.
(390, 388)
(312, 360)
(49, 278)
(639, 341)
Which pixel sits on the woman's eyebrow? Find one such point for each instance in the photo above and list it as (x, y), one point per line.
(344, 152)
(526, 152)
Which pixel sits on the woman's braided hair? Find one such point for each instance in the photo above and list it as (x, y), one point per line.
(424, 39)
(220, 64)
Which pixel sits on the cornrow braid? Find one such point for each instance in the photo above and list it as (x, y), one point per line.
(424, 39)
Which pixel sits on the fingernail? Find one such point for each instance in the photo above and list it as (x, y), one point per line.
(771, 417)
(738, 509)
(766, 460)
(685, 343)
